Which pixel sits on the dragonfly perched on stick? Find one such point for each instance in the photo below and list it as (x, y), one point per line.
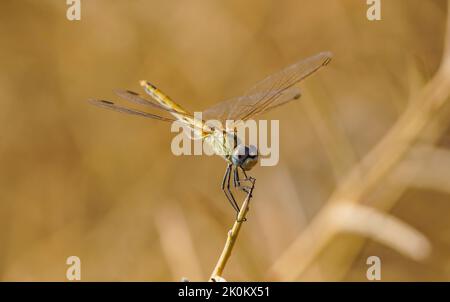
(273, 91)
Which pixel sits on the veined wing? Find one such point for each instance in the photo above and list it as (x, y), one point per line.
(136, 98)
(271, 92)
(222, 110)
(111, 106)
(198, 127)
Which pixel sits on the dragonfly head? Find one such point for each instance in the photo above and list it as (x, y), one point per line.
(245, 156)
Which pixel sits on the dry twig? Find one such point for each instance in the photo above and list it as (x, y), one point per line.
(232, 236)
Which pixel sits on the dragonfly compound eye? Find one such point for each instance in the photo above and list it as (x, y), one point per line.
(245, 156)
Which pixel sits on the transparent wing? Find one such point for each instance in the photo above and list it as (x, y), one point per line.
(111, 106)
(271, 92)
(223, 110)
(136, 98)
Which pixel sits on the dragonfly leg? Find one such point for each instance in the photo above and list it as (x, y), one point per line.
(246, 189)
(251, 179)
(237, 181)
(226, 188)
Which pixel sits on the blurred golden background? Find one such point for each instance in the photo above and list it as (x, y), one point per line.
(364, 165)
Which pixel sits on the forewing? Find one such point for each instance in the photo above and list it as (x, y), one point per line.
(271, 92)
(221, 111)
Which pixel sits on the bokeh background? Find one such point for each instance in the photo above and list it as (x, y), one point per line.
(79, 180)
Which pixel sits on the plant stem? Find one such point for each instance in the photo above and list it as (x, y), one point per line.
(232, 236)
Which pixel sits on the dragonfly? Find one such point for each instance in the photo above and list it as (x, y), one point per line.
(273, 91)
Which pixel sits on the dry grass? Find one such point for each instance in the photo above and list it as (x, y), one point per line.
(365, 176)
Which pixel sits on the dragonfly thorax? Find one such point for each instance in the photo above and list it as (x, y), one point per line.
(245, 156)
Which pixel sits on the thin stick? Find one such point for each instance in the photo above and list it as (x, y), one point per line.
(232, 236)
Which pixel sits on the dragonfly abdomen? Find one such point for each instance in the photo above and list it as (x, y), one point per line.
(159, 96)
(175, 109)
